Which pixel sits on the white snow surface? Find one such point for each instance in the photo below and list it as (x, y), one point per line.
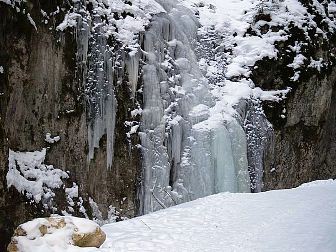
(299, 219)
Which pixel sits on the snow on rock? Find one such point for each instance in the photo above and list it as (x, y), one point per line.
(123, 28)
(11, 2)
(232, 19)
(31, 177)
(50, 139)
(57, 233)
(32, 22)
(283, 220)
(70, 20)
(317, 64)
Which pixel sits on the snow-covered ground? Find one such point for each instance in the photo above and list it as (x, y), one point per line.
(299, 219)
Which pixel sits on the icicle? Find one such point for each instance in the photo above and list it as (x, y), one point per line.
(132, 63)
(96, 74)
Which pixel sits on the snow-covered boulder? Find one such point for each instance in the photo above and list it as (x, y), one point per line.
(56, 233)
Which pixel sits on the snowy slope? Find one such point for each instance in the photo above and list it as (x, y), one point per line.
(299, 219)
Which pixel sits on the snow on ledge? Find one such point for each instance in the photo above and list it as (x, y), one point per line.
(30, 176)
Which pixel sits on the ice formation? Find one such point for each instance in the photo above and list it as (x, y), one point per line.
(202, 127)
(100, 65)
(190, 149)
(96, 71)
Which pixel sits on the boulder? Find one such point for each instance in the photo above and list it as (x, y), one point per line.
(56, 231)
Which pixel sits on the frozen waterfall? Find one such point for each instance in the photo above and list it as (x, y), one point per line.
(187, 152)
(193, 142)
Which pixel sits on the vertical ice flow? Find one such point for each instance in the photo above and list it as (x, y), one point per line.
(183, 159)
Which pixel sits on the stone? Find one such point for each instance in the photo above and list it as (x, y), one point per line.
(83, 233)
(95, 239)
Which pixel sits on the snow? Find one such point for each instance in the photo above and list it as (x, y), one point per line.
(32, 22)
(332, 8)
(50, 139)
(231, 19)
(56, 239)
(136, 112)
(283, 220)
(11, 2)
(30, 176)
(298, 61)
(133, 130)
(70, 20)
(318, 64)
(125, 29)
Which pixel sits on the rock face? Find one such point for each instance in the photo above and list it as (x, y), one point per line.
(303, 147)
(40, 93)
(56, 231)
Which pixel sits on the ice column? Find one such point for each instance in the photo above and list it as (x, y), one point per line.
(225, 173)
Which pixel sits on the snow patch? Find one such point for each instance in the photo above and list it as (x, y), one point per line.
(70, 20)
(50, 139)
(28, 174)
